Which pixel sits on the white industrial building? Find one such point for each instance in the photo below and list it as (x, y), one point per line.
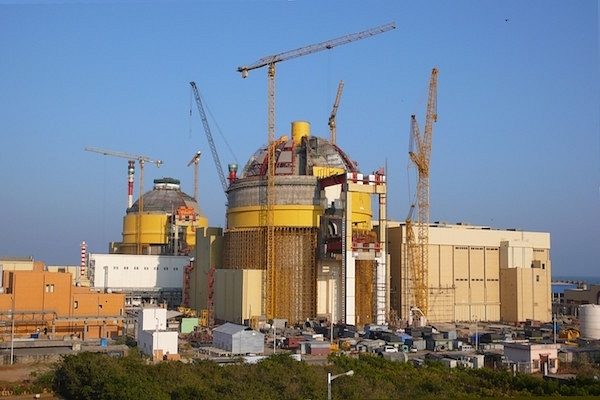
(532, 357)
(238, 339)
(153, 338)
(145, 278)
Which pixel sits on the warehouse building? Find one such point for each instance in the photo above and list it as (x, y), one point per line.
(477, 273)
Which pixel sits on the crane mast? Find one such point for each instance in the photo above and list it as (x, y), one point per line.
(195, 160)
(142, 160)
(420, 154)
(211, 142)
(270, 62)
(332, 127)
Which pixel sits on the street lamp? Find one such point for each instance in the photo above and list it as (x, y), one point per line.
(12, 336)
(476, 335)
(332, 377)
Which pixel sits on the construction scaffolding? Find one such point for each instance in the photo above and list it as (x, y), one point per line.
(294, 275)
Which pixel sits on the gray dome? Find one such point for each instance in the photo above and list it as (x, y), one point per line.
(299, 159)
(165, 198)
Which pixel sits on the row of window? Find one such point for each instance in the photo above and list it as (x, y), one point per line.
(477, 279)
(147, 268)
(476, 248)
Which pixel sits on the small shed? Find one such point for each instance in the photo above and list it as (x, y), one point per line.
(238, 339)
(318, 347)
(532, 357)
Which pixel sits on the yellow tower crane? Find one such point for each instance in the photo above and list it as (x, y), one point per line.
(420, 155)
(142, 160)
(270, 62)
(332, 127)
(195, 160)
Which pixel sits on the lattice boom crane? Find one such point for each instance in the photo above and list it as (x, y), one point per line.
(211, 142)
(420, 154)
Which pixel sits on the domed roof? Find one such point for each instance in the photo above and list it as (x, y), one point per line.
(293, 158)
(166, 197)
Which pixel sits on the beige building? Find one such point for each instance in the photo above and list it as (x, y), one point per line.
(476, 273)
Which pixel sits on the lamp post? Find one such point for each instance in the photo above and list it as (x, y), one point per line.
(332, 377)
(476, 335)
(12, 336)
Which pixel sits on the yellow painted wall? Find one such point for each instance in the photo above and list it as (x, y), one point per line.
(155, 229)
(294, 215)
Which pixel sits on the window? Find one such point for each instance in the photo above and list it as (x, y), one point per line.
(75, 304)
(537, 278)
(50, 288)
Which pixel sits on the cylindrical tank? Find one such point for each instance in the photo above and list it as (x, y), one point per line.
(589, 318)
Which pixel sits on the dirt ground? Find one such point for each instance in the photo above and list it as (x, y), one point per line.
(20, 373)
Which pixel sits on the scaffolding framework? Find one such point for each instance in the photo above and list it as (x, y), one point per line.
(294, 277)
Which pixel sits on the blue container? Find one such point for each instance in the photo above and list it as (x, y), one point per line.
(103, 342)
(34, 336)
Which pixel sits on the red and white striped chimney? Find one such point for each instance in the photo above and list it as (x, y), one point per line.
(130, 172)
(83, 251)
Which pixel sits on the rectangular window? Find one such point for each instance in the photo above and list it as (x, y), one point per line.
(50, 288)
(75, 304)
(537, 278)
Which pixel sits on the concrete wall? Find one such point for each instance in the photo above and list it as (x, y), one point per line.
(466, 264)
(238, 294)
(42, 300)
(136, 271)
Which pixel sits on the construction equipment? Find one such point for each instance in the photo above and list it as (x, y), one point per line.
(270, 62)
(332, 128)
(420, 155)
(209, 136)
(419, 287)
(195, 160)
(142, 160)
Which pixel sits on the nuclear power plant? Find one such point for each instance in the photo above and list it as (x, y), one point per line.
(307, 236)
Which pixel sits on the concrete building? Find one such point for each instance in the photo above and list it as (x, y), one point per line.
(17, 263)
(47, 304)
(476, 274)
(532, 357)
(153, 337)
(144, 279)
(238, 339)
(587, 295)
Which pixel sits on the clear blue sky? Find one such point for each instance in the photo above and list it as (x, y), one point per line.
(516, 145)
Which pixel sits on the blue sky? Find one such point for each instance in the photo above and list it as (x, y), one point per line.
(516, 144)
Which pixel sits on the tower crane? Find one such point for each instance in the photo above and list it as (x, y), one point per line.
(209, 136)
(195, 160)
(332, 127)
(420, 155)
(270, 62)
(142, 160)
